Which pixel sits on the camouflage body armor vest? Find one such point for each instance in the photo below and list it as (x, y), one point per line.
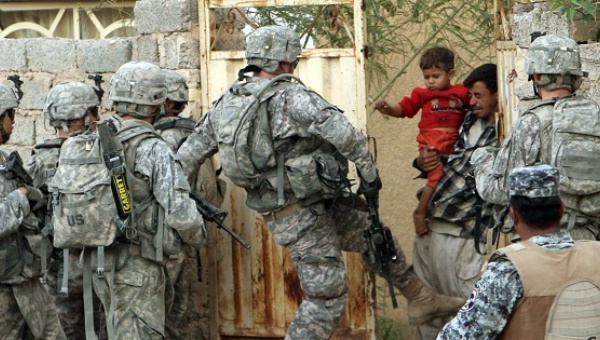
(21, 249)
(273, 174)
(570, 135)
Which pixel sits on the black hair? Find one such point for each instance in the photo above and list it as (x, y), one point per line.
(538, 213)
(485, 73)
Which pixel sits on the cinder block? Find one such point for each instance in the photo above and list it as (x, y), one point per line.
(34, 91)
(50, 55)
(16, 60)
(162, 15)
(146, 49)
(105, 55)
(24, 130)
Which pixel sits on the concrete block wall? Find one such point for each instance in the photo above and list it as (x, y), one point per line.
(168, 38)
(531, 17)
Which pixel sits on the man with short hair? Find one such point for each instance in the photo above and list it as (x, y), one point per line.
(299, 180)
(70, 108)
(161, 213)
(445, 258)
(512, 299)
(553, 64)
(180, 323)
(26, 310)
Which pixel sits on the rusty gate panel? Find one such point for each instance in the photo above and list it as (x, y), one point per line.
(254, 293)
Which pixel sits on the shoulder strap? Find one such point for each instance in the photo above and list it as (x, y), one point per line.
(551, 101)
(180, 123)
(54, 143)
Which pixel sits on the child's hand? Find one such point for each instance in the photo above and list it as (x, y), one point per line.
(383, 107)
(421, 227)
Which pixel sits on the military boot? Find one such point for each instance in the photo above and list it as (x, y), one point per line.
(425, 305)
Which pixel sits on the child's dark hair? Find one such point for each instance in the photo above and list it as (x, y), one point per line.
(437, 56)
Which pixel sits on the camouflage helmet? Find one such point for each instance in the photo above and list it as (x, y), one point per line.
(8, 98)
(177, 89)
(136, 87)
(557, 59)
(68, 101)
(269, 45)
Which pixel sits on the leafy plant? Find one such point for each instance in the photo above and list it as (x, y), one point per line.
(396, 30)
(585, 10)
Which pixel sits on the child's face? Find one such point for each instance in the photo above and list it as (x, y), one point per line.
(437, 79)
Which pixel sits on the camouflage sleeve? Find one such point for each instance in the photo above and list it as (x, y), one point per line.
(488, 309)
(155, 160)
(35, 166)
(13, 209)
(328, 122)
(492, 166)
(172, 137)
(200, 145)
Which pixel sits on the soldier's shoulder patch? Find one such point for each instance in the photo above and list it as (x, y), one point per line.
(471, 301)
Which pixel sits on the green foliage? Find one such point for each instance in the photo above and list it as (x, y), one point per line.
(401, 30)
(388, 329)
(576, 9)
(396, 30)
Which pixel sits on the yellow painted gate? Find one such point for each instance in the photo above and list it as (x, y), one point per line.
(254, 293)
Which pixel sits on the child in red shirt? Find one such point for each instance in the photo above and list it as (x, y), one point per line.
(442, 108)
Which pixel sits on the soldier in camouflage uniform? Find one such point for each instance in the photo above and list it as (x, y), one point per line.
(313, 229)
(553, 64)
(512, 298)
(27, 311)
(134, 297)
(70, 108)
(174, 129)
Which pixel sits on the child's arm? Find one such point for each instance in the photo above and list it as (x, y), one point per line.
(389, 109)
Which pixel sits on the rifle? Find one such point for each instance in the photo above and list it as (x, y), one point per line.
(213, 214)
(18, 82)
(111, 154)
(381, 248)
(98, 81)
(13, 169)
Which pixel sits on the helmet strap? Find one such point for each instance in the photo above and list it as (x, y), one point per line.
(5, 135)
(535, 90)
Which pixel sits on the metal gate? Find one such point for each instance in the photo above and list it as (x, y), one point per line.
(255, 292)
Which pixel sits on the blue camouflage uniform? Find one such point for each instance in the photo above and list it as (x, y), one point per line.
(496, 295)
(500, 289)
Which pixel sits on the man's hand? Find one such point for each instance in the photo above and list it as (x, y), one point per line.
(428, 159)
(36, 197)
(369, 189)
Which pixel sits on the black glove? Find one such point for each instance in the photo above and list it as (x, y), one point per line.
(36, 198)
(369, 189)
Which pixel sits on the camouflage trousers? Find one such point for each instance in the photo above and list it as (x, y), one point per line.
(182, 322)
(26, 312)
(70, 307)
(315, 239)
(134, 299)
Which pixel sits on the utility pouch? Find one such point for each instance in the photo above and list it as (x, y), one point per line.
(315, 174)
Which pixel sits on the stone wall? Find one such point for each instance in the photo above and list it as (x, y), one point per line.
(168, 37)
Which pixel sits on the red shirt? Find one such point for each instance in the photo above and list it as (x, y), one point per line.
(439, 108)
